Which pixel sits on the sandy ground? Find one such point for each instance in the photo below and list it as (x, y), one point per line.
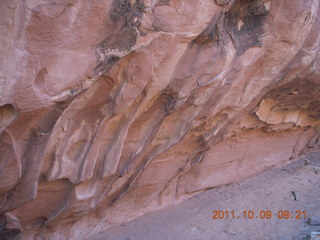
(271, 190)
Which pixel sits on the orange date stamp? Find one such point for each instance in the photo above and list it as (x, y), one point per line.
(262, 214)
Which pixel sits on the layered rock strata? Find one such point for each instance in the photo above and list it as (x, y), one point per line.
(111, 109)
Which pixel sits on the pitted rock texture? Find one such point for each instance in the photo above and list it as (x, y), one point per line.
(111, 109)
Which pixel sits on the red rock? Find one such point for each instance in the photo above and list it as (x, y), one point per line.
(111, 109)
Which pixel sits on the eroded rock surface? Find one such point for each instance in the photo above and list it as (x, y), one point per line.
(111, 109)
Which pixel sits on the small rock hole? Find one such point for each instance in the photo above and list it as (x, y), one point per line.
(7, 115)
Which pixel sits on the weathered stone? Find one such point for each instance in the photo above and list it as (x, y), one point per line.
(222, 2)
(312, 236)
(314, 221)
(10, 234)
(3, 221)
(111, 109)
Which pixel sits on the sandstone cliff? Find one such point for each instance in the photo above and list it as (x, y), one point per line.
(113, 108)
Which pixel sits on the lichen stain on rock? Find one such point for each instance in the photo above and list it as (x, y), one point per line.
(244, 22)
(122, 25)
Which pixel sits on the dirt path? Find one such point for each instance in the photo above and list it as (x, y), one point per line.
(294, 187)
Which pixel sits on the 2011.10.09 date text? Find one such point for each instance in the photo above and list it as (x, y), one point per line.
(262, 214)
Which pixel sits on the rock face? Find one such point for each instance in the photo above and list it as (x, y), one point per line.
(113, 108)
